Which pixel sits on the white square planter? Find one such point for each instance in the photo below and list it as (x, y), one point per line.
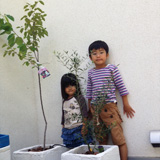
(50, 154)
(111, 152)
(5, 153)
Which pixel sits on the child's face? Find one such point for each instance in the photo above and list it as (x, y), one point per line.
(70, 90)
(99, 57)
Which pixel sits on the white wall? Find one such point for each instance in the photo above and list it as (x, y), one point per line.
(132, 31)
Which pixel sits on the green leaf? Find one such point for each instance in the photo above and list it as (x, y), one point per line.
(1, 23)
(21, 30)
(41, 2)
(25, 6)
(39, 10)
(11, 43)
(20, 57)
(3, 33)
(7, 27)
(4, 45)
(11, 36)
(19, 41)
(33, 62)
(27, 20)
(6, 19)
(26, 63)
(44, 15)
(5, 53)
(24, 17)
(32, 49)
(46, 33)
(30, 13)
(11, 40)
(33, 6)
(10, 17)
(26, 26)
(43, 18)
(25, 34)
(26, 10)
(23, 48)
(39, 22)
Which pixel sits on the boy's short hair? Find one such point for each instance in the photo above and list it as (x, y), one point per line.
(97, 45)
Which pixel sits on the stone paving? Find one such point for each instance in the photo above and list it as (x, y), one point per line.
(143, 158)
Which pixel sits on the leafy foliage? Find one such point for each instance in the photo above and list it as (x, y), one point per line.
(25, 47)
(98, 128)
(75, 64)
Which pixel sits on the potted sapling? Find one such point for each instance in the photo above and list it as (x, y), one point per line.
(25, 45)
(96, 129)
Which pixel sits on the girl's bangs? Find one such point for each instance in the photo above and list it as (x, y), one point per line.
(69, 82)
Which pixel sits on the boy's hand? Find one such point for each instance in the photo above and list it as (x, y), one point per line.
(84, 130)
(91, 111)
(128, 110)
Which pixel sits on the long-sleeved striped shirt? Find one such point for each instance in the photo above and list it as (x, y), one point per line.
(102, 83)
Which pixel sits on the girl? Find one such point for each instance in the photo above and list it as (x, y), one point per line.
(74, 111)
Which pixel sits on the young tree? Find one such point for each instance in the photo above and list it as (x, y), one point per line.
(26, 47)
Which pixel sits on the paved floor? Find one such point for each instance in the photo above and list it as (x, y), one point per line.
(142, 158)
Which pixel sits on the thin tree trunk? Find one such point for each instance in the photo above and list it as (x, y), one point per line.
(41, 100)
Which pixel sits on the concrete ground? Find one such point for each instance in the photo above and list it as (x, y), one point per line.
(143, 158)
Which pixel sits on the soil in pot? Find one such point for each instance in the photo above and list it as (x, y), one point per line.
(100, 150)
(91, 153)
(40, 148)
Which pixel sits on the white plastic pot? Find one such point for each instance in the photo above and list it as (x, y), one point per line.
(5, 153)
(4, 147)
(111, 152)
(50, 154)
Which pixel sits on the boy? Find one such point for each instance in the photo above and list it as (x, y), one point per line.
(99, 53)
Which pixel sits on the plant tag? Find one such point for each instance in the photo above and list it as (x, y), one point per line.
(43, 72)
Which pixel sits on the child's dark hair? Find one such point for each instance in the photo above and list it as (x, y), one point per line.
(97, 45)
(67, 80)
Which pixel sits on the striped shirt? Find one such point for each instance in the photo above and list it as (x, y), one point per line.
(102, 84)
